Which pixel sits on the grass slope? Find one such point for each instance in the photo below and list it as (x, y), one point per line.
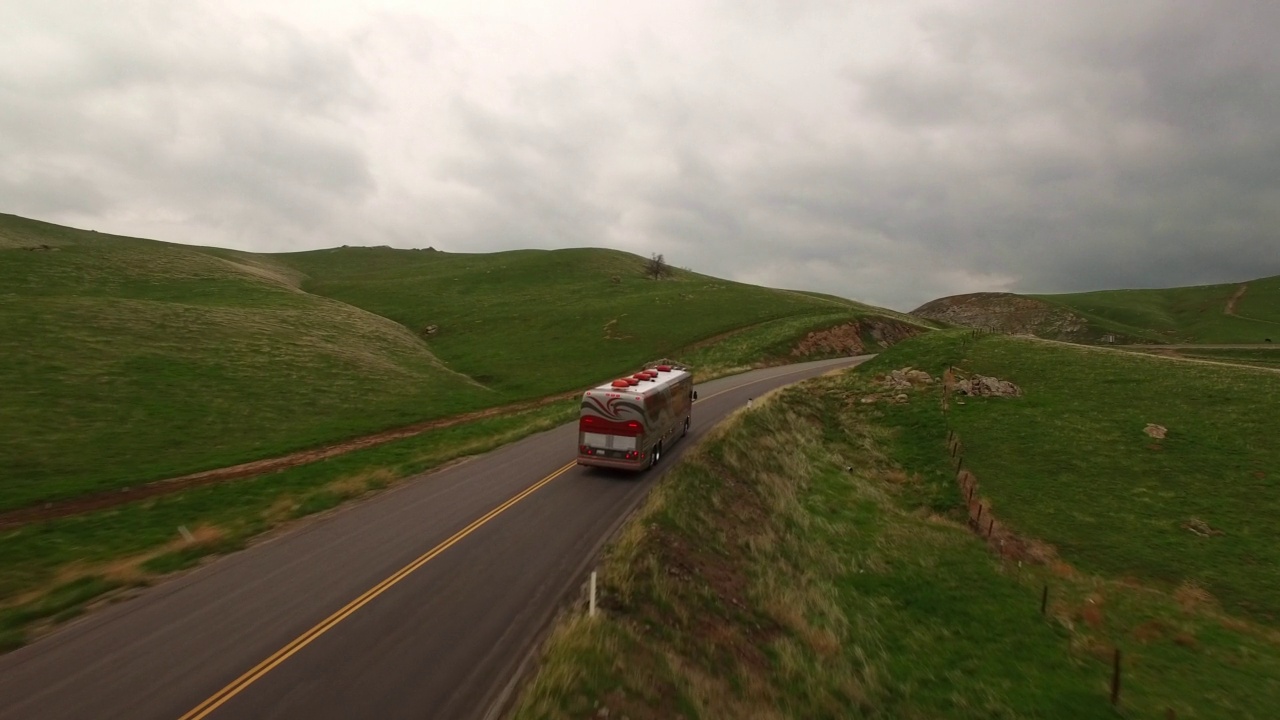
(129, 360)
(810, 561)
(1260, 358)
(1185, 314)
(531, 322)
(764, 580)
(1069, 463)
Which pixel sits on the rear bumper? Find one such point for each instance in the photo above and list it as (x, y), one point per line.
(596, 461)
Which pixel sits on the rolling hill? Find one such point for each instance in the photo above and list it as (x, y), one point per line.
(528, 322)
(131, 360)
(1243, 313)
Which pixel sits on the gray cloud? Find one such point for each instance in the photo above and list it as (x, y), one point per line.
(887, 152)
(188, 125)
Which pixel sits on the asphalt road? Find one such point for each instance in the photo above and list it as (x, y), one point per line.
(422, 602)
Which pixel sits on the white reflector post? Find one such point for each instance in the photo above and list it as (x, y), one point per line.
(591, 611)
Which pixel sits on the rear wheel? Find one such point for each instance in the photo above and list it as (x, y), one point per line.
(656, 455)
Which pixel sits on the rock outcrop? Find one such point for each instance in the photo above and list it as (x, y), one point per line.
(907, 378)
(983, 386)
(854, 338)
(1008, 313)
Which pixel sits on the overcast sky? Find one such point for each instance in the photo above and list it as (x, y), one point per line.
(887, 151)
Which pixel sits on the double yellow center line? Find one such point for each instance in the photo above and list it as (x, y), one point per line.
(256, 672)
(222, 696)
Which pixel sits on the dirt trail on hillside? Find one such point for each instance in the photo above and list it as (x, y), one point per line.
(111, 498)
(1230, 309)
(1235, 300)
(1165, 352)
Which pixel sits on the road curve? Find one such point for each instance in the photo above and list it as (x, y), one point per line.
(420, 602)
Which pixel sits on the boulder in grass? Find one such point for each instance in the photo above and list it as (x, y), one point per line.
(981, 385)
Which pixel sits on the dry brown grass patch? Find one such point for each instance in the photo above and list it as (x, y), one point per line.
(934, 518)
(355, 485)
(823, 641)
(1191, 598)
(1092, 646)
(1236, 624)
(201, 535)
(897, 476)
(125, 570)
(1090, 612)
(689, 572)
(1150, 631)
(204, 535)
(1063, 569)
(281, 510)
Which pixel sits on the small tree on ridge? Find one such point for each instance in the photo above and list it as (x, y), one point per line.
(656, 268)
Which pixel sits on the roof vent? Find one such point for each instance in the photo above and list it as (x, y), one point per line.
(621, 384)
(664, 368)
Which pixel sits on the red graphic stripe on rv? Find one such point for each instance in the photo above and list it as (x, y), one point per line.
(590, 423)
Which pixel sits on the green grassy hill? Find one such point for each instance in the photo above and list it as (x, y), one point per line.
(530, 321)
(1186, 314)
(813, 557)
(131, 360)
(1069, 463)
(1243, 313)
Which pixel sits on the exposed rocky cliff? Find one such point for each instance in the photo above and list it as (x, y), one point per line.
(855, 338)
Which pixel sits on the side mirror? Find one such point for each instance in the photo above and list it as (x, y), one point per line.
(694, 394)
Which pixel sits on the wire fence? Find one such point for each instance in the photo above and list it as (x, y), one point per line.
(982, 521)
